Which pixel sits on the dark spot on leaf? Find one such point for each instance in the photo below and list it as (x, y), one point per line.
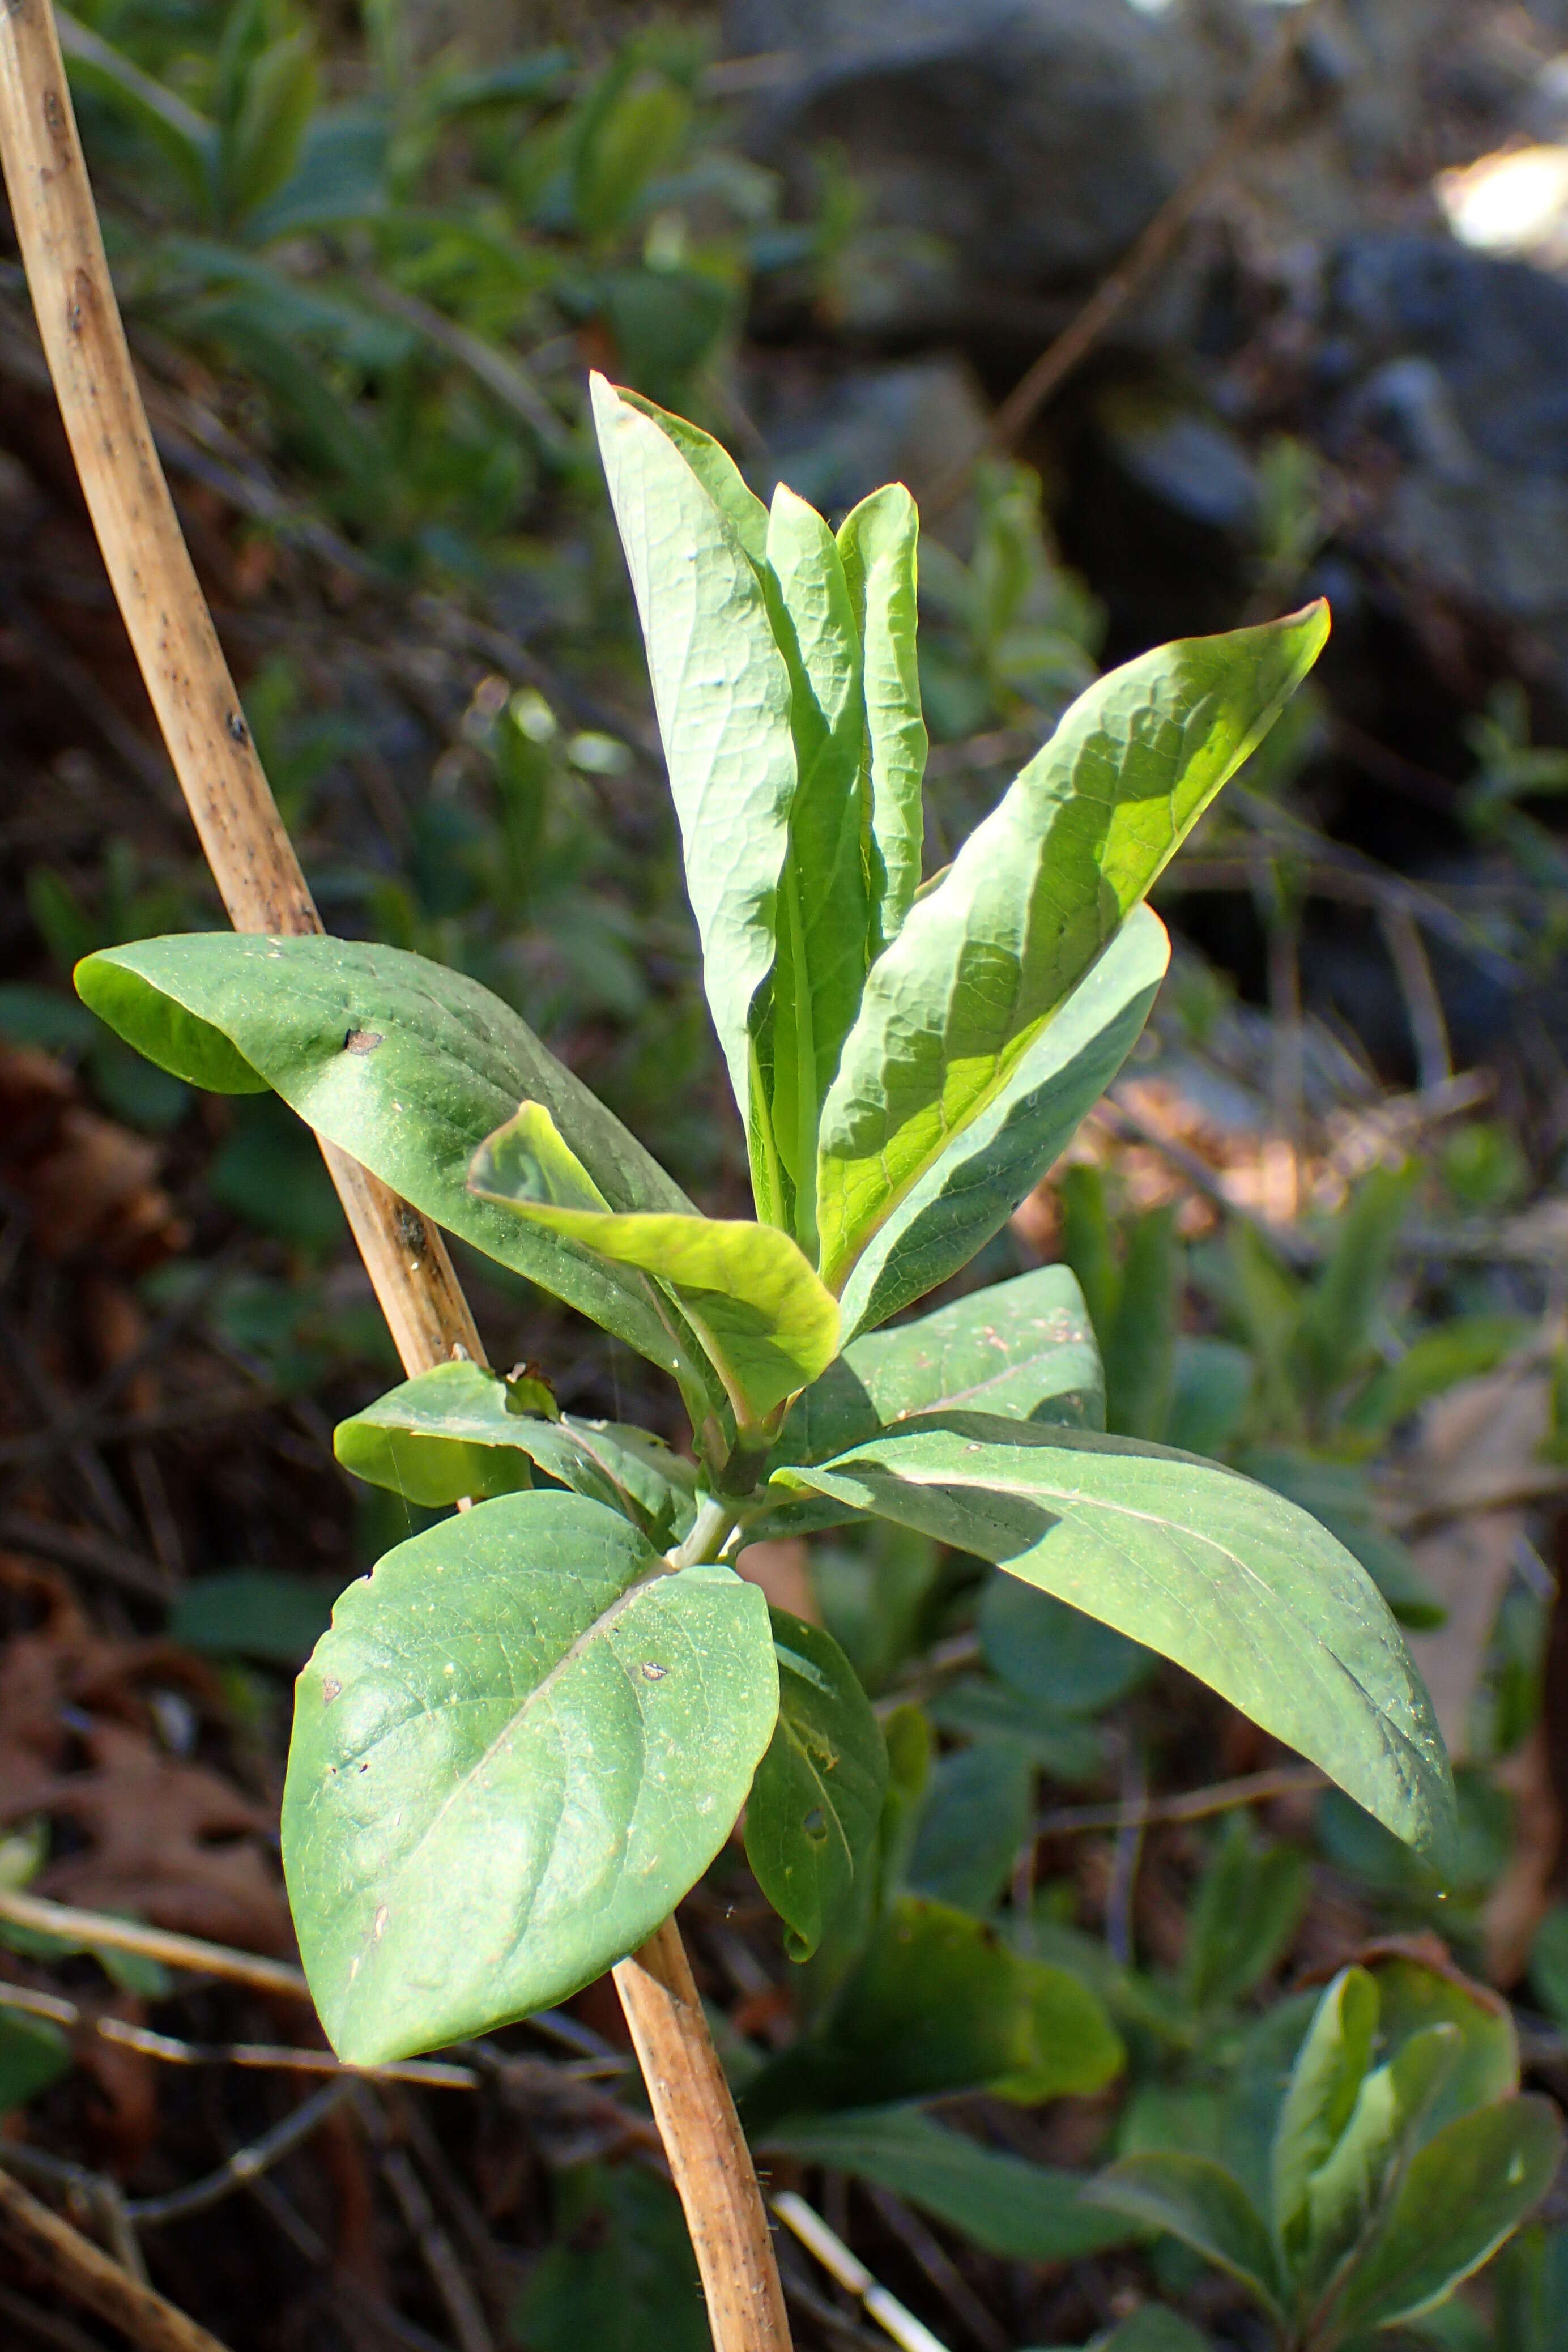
(331, 1689)
(815, 1824)
(365, 1767)
(652, 1673)
(362, 1041)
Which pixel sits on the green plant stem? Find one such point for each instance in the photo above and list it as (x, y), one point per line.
(716, 1520)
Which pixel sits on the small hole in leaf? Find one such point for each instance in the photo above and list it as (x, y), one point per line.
(816, 1825)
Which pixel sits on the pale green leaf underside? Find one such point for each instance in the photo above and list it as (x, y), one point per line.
(817, 1800)
(954, 1209)
(402, 1064)
(1031, 899)
(514, 1751)
(1238, 1586)
(767, 1322)
(450, 1433)
(879, 544)
(723, 695)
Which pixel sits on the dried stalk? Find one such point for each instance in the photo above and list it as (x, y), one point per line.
(88, 2275)
(264, 889)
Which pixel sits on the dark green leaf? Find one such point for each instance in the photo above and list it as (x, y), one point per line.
(402, 1065)
(1415, 1994)
(1245, 1918)
(1200, 2202)
(1066, 1747)
(513, 1752)
(32, 2054)
(1232, 1581)
(1021, 2213)
(972, 1188)
(1141, 1345)
(1211, 1389)
(1152, 2328)
(973, 1824)
(253, 1612)
(940, 2004)
(1054, 1652)
(1035, 893)
(817, 1800)
(1337, 1319)
(1458, 1351)
(1460, 2196)
(620, 2276)
(186, 138)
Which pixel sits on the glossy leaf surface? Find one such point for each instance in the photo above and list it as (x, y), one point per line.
(1229, 1580)
(817, 1800)
(402, 1065)
(1029, 902)
(514, 1751)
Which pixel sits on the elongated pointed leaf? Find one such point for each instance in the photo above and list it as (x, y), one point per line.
(1200, 2202)
(514, 1751)
(454, 1432)
(825, 910)
(1030, 901)
(968, 1195)
(1232, 1581)
(715, 470)
(1023, 2212)
(402, 1065)
(878, 543)
(722, 694)
(816, 1803)
(764, 1319)
(1023, 1348)
(1460, 2196)
(1320, 2096)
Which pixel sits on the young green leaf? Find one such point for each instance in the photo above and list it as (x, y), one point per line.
(1141, 1344)
(765, 1321)
(1457, 2200)
(1200, 2202)
(715, 470)
(973, 1824)
(458, 1430)
(816, 1803)
(1417, 1993)
(1320, 2098)
(938, 2004)
(825, 910)
(1247, 1909)
(723, 693)
(1024, 1347)
(1232, 1581)
(514, 1751)
(878, 543)
(402, 1064)
(1031, 898)
(1346, 2192)
(1336, 1318)
(1022, 2212)
(973, 1189)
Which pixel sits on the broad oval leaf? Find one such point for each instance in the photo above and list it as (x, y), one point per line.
(1023, 2212)
(723, 695)
(879, 541)
(939, 2003)
(1031, 898)
(973, 1189)
(1238, 1586)
(1459, 2198)
(816, 1801)
(1200, 2202)
(766, 1323)
(514, 1751)
(454, 1431)
(402, 1065)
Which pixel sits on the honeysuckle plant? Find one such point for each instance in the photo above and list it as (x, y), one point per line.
(1399, 2157)
(531, 1728)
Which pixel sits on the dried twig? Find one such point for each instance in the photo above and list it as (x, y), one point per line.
(909, 2333)
(88, 2275)
(245, 2164)
(923, 2248)
(469, 2325)
(1194, 1805)
(430, 2073)
(99, 1931)
(264, 889)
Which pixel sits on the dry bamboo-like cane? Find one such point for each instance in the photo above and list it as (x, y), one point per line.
(263, 889)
